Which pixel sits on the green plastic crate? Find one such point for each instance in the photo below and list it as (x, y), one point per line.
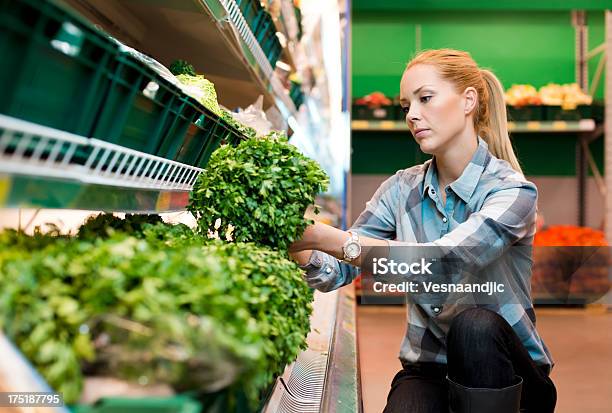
(296, 94)
(188, 134)
(250, 10)
(214, 136)
(222, 134)
(265, 33)
(55, 66)
(202, 139)
(274, 51)
(271, 46)
(140, 108)
(177, 404)
(525, 113)
(556, 113)
(264, 25)
(231, 135)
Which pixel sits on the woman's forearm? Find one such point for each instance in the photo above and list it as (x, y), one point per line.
(327, 239)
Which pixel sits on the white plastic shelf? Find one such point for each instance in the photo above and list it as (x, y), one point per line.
(49, 168)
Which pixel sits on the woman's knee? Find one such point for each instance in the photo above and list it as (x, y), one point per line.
(474, 327)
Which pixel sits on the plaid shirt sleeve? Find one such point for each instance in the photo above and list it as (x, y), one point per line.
(325, 272)
(507, 215)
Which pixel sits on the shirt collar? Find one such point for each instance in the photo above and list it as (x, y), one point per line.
(465, 185)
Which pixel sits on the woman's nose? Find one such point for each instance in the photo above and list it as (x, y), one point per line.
(413, 114)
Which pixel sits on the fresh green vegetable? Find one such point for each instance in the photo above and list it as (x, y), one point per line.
(103, 225)
(181, 67)
(243, 129)
(169, 306)
(204, 89)
(262, 187)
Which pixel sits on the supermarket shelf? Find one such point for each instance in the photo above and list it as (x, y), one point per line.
(583, 125)
(211, 34)
(47, 168)
(325, 377)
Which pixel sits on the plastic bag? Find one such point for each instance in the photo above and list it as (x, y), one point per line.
(255, 117)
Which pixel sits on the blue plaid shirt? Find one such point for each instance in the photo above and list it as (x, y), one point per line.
(489, 208)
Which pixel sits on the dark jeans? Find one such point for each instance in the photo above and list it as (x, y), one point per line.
(482, 351)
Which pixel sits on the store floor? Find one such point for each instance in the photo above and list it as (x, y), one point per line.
(580, 341)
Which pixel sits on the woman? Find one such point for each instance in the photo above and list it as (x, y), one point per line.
(471, 200)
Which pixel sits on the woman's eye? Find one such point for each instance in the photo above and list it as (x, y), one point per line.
(425, 99)
(405, 109)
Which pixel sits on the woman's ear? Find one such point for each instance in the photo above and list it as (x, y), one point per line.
(471, 99)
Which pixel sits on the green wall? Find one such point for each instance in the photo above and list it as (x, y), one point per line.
(481, 5)
(535, 47)
(520, 47)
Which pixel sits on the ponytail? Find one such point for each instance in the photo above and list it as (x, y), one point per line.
(494, 124)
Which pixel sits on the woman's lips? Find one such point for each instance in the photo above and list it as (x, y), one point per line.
(422, 133)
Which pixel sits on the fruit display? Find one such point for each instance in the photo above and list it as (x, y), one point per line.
(521, 95)
(570, 235)
(570, 262)
(552, 102)
(567, 96)
(374, 100)
(375, 106)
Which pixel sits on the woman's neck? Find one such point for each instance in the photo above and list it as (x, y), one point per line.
(451, 162)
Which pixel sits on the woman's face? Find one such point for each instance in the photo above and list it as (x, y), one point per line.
(435, 112)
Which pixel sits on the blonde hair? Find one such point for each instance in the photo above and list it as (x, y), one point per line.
(490, 119)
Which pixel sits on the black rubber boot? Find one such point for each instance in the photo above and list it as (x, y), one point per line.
(463, 399)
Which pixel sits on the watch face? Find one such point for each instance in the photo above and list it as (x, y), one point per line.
(352, 250)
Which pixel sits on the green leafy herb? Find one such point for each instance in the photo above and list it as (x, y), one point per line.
(243, 129)
(262, 187)
(166, 306)
(103, 225)
(181, 67)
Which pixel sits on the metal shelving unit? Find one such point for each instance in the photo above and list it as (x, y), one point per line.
(47, 168)
(583, 125)
(212, 34)
(43, 167)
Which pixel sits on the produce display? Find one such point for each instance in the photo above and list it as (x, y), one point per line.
(522, 95)
(243, 129)
(374, 100)
(182, 67)
(161, 305)
(570, 262)
(223, 309)
(261, 188)
(202, 89)
(570, 235)
(567, 96)
(103, 225)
